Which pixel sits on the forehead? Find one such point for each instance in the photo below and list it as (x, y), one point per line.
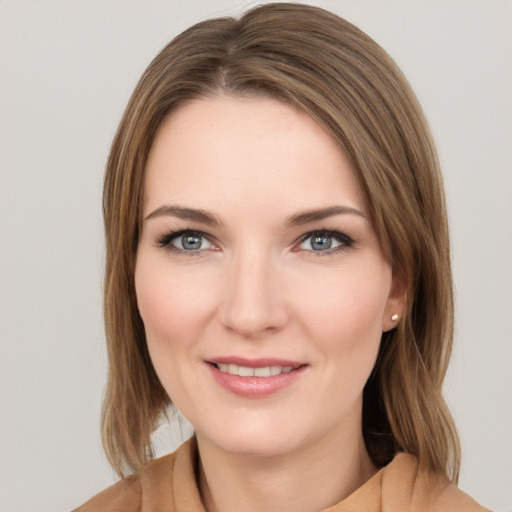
(223, 150)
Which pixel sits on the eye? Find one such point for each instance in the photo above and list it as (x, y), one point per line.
(325, 241)
(185, 241)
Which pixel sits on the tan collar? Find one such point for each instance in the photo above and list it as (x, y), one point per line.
(169, 484)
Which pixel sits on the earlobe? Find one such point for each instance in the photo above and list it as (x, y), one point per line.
(395, 305)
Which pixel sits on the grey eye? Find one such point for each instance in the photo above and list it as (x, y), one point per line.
(191, 242)
(319, 242)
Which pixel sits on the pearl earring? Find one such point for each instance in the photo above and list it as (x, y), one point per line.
(394, 317)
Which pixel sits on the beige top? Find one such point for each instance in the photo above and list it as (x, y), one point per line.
(169, 484)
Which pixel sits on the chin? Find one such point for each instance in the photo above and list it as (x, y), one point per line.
(257, 447)
(251, 441)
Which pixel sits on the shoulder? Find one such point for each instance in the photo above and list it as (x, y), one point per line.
(154, 488)
(123, 496)
(423, 490)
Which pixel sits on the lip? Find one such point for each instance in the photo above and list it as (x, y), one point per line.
(255, 387)
(255, 363)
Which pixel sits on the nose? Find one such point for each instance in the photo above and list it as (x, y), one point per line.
(254, 301)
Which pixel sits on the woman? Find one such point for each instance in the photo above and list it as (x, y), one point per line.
(278, 269)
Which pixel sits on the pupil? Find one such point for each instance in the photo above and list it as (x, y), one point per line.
(321, 243)
(191, 242)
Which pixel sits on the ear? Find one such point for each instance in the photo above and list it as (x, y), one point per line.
(395, 305)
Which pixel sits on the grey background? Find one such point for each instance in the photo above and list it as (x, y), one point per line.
(67, 68)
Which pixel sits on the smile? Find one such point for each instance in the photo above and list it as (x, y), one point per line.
(256, 378)
(246, 371)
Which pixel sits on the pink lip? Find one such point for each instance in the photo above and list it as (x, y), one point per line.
(255, 363)
(255, 387)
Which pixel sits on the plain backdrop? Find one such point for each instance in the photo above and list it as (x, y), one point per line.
(67, 68)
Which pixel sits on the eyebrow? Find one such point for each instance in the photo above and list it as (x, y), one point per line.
(323, 213)
(210, 219)
(186, 213)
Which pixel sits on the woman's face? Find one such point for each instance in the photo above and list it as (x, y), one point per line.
(260, 280)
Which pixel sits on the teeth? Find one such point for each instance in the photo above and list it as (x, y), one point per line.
(262, 372)
(245, 371)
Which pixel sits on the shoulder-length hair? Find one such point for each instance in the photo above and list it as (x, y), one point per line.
(320, 63)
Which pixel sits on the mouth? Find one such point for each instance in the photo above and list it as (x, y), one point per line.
(256, 378)
(247, 371)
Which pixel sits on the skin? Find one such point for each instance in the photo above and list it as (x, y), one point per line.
(257, 288)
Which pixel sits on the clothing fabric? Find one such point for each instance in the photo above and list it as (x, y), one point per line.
(168, 484)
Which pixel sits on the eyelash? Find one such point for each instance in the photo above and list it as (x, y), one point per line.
(165, 241)
(345, 241)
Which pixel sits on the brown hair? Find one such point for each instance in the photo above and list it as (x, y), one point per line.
(322, 64)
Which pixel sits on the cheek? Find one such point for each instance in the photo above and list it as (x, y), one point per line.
(171, 304)
(348, 332)
(174, 311)
(176, 307)
(346, 316)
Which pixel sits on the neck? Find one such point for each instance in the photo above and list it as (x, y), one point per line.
(306, 480)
